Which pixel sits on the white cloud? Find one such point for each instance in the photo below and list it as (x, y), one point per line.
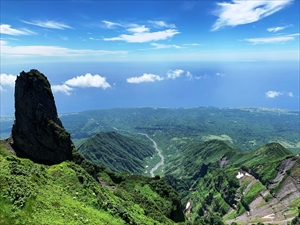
(161, 24)
(220, 74)
(140, 33)
(94, 39)
(138, 29)
(147, 77)
(290, 94)
(88, 80)
(49, 24)
(275, 29)
(111, 25)
(272, 40)
(243, 12)
(83, 81)
(6, 29)
(201, 77)
(144, 36)
(160, 46)
(173, 74)
(7, 80)
(189, 75)
(65, 89)
(273, 94)
(42, 50)
(193, 44)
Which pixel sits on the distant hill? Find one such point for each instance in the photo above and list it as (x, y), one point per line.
(242, 128)
(117, 152)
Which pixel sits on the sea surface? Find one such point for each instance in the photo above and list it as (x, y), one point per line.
(219, 84)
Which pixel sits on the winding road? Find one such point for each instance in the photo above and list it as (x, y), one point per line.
(162, 158)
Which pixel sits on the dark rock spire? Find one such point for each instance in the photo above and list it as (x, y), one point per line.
(38, 133)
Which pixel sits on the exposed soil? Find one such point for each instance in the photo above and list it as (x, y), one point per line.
(106, 184)
(276, 210)
(7, 143)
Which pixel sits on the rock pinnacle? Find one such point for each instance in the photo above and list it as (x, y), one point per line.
(38, 133)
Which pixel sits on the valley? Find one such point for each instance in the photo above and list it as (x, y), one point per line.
(161, 162)
(227, 151)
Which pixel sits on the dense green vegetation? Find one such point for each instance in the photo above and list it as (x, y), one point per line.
(244, 128)
(206, 174)
(69, 193)
(296, 220)
(117, 152)
(204, 150)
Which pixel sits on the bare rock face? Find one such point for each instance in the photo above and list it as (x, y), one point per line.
(38, 133)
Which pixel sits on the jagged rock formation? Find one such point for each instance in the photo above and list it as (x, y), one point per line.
(37, 132)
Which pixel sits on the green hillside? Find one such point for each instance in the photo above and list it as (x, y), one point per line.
(206, 177)
(117, 152)
(78, 192)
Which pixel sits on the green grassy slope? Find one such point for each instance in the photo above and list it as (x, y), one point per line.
(81, 193)
(117, 152)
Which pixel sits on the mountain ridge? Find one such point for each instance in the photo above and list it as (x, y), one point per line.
(117, 152)
(224, 184)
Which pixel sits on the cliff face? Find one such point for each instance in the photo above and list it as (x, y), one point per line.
(37, 132)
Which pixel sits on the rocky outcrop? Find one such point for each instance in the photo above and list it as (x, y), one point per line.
(37, 132)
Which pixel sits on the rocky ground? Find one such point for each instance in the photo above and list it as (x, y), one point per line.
(277, 209)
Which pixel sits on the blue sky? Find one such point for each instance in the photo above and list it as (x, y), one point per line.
(102, 54)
